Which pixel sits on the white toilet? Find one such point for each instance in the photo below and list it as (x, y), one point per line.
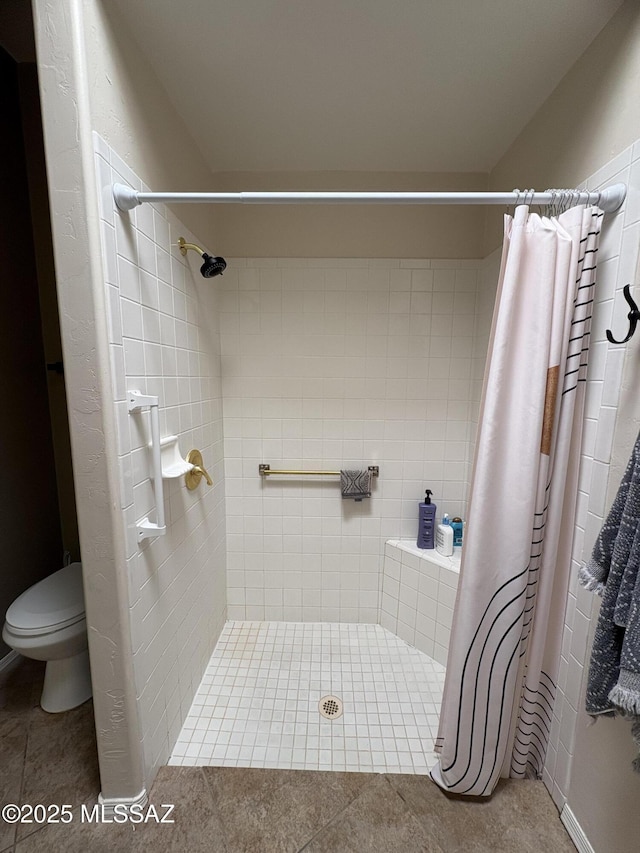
(47, 622)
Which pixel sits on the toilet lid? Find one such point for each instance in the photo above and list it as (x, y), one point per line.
(53, 600)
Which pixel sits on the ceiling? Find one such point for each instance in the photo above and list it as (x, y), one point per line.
(360, 85)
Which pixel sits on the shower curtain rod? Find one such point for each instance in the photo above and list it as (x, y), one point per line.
(608, 199)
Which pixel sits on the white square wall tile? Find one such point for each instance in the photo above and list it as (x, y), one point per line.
(604, 434)
(141, 348)
(619, 248)
(342, 420)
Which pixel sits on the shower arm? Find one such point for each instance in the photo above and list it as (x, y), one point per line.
(608, 199)
(183, 246)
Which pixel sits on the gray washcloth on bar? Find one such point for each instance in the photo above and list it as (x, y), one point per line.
(613, 572)
(355, 484)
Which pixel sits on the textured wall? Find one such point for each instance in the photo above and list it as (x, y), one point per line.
(66, 119)
(590, 118)
(133, 114)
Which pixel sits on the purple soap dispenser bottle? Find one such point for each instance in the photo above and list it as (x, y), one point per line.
(426, 522)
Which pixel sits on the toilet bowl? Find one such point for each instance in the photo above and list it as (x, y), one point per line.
(47, 622)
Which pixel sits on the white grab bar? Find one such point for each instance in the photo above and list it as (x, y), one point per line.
(135, 402)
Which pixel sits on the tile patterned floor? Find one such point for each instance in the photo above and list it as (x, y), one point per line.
(244, 810)
(257, 705)
(44, 758)
(51, 759)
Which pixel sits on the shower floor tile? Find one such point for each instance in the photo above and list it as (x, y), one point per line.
(257, 705)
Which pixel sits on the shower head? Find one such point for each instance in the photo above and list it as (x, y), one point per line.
(211, 267)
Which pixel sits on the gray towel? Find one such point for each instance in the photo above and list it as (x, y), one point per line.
(355, 484)
(613, 572)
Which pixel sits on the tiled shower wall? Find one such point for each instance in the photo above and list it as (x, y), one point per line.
(418, 594)
(617, 256)
(164, 340)
(331, 364)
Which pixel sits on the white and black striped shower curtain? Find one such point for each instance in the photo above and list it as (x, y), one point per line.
(505, 645)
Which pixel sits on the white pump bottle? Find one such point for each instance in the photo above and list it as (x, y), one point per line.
(444, 537)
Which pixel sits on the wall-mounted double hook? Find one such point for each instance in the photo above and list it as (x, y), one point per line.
(633, 316)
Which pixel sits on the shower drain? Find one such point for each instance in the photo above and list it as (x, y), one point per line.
(330, 707)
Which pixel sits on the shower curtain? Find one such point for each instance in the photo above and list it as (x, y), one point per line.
(506, 639)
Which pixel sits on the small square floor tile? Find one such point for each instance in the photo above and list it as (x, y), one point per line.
(258, 704)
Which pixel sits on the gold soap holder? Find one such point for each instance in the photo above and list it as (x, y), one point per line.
(198, 471)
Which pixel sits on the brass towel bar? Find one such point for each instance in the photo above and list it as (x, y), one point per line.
(266, 471)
